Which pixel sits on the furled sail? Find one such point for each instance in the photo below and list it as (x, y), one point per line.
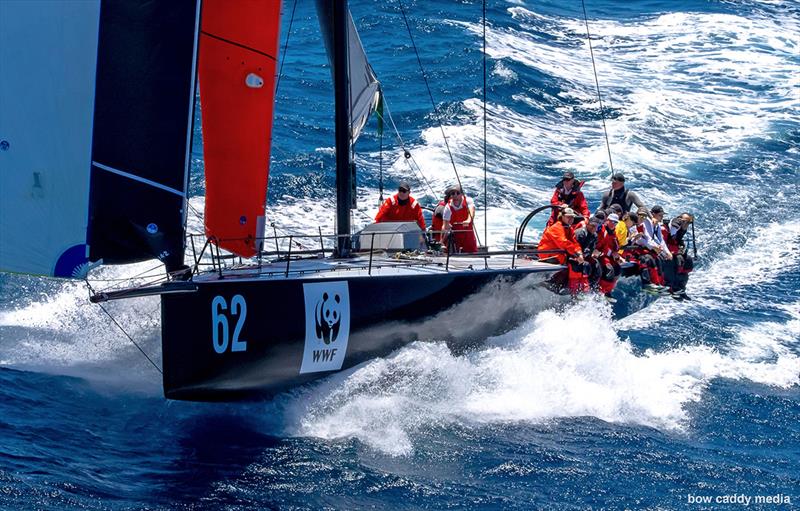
(238, 53)
(48, 55)
(95, 118)
(365, 89)
(142, 130)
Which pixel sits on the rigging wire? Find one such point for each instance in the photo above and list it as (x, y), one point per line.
(91, 291)
(485, 195)
(597, 84)
(430, 94)
(285, 48)
(408, 157)
(197, 213)
(436, 113)
(280, 70)
(380, 154)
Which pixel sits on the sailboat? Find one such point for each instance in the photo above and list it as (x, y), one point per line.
(97, 109)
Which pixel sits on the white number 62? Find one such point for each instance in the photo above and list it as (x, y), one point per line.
(219, 323)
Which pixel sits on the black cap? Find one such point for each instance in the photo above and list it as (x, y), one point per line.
(600, 214)
(616, 208)
(568, 175)
(404, 186)
(618, 177)
(596, 220)
(656, 210)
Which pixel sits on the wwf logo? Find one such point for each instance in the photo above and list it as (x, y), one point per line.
(328, 316)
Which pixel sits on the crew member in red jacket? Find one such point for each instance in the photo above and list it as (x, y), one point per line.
(568, 194)
(609, 258)
(561, 236)
(401, 207)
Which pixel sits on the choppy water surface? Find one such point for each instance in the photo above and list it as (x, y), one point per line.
(652, 404)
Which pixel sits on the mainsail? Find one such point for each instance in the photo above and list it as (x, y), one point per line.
(238, 53)
(365, 89)
(95, 121)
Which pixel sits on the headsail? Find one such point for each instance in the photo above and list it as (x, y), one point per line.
(142, 130)
(48, 53)
(365, 89)
(238, 52)
(95, 118)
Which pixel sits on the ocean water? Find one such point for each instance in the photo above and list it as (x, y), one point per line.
(652, 404)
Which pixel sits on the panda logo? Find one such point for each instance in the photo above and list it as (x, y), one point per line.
(328, 318)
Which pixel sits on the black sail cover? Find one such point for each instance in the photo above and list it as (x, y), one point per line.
(365, 89)
(142, 130)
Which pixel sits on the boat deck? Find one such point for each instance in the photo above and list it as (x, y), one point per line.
(377, 265)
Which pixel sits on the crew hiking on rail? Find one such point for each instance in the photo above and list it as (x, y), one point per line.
(597, 247)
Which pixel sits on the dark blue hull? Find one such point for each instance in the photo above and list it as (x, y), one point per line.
(243, 339)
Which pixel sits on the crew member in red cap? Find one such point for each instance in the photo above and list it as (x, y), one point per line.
(458, 216)
(619, 195)
(401, 207)
(568, 194)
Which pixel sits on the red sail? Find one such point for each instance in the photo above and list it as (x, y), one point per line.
(238, 53)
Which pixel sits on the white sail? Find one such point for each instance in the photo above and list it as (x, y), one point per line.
(48, 57)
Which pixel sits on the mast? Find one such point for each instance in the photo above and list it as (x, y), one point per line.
(342, 124)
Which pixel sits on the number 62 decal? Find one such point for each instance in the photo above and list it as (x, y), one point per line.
(219, 323)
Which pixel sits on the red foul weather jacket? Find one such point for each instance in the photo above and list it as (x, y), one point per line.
(392, 211)
(559, 237)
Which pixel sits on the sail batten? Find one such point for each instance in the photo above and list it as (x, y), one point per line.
(238, 49)
(138, 178)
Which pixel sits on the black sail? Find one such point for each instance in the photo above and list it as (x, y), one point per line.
(142, 130)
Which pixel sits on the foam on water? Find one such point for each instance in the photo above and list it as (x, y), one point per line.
(62, 332)
(560, 364)
(671, 84)
(66, 334)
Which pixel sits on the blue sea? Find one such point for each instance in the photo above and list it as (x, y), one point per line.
(651, 404)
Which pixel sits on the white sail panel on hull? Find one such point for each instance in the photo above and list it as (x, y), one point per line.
(48, 55)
